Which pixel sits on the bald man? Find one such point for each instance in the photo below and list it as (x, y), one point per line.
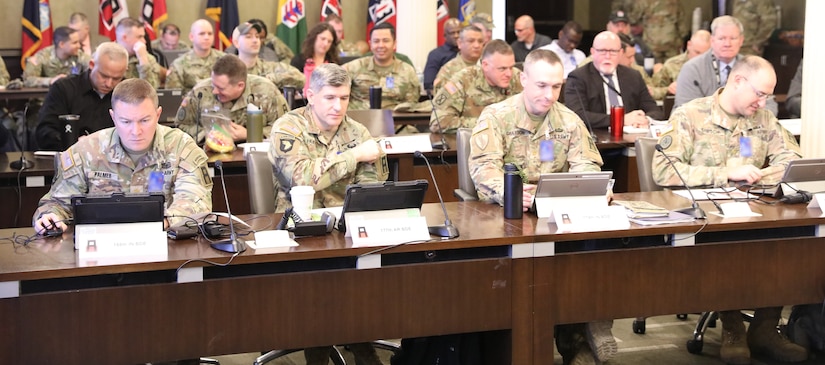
(526, 38)
(666, 77)
(442, 54)
(196, 64)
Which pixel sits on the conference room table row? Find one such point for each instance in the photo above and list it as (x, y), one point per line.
(513, 280)
(23, 189)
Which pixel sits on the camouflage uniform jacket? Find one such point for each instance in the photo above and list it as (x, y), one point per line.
(98, 164)
(44, 65)
(506, 133)
(188, 69)
(302, 154)
(669, 71)
(703, 142)
(283, 51)
(449, 69)
(258, 91)
(145, 72)
(758, 19)
(280, 73)
(656, 92)
(4, 74)
(347, 48)
(398, 82)
(462, 98)
(664, 25)
(159, 47)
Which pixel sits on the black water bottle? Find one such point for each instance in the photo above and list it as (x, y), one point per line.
(513, 188)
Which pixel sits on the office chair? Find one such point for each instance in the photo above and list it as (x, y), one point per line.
(466, 188)
(262, 187)
(645, 149)
(261, 181)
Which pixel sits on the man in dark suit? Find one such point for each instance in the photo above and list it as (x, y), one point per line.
(593, 88)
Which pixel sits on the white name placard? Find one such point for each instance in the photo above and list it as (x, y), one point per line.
(607, 218)
(388, 227)
(98, 244)
(546, 205)
(817, 202)
(406, 144)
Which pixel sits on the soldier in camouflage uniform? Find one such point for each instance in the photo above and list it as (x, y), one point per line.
(345, 48)
(4, 74)
(398, 80)
(517, 130)
(666, 77)
(169, 39)
(132, 36)
(627, 58)
(319, 146)
(121, 159)
(759, 20)
(233, 90)
(196, 64)
(245, 39)
(274, 43)
(470, 46)
(464, 96)
(62, 59)
(728, 137)
(664, 26)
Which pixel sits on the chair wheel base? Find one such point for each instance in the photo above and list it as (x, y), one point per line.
(695, 346)
(639, 327)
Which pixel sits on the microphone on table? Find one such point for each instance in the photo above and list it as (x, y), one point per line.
(441, 145)
(22, 163)
(694, 211)
(448, 230)
(233, 244)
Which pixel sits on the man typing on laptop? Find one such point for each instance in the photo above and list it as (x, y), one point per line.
(127, 158)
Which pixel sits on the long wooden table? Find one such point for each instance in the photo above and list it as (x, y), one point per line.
(506, 276)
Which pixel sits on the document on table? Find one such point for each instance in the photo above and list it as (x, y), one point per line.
(715, 194)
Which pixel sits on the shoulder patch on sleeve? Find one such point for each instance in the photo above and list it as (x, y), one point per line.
(450, 87)
(66, 159)
(290, 129)
(481, 127)
(666, 142)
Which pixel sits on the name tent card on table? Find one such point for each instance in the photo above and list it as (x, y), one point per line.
(99, 244)
(817, 202)
(576, 219)
(386, 227)
(406, 144)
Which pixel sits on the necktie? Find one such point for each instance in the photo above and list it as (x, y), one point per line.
(611, 91)
(725, 73)
(573, 61)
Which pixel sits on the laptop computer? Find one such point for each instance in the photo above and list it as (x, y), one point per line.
(169, 100)
(806, 174)
(382, 196)
(563, 184)
(172, 55)
(117, 208)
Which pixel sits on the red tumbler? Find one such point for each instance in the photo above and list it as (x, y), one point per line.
(617, 121)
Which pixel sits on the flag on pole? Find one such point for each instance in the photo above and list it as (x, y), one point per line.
(380, 11)
(331, 7)
(153, 13)
(291, 26)
(37, 28)
(110, 13)
(442, 13)
(466, 11)
(225, 15)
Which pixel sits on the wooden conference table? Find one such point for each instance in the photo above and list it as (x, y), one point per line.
(508, 277)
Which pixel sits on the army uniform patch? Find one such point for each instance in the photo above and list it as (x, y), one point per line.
(66, 160)
(286, 144)
(450, 87)
(181, 114)
(481, 141)
(666, 142)
(441, 99)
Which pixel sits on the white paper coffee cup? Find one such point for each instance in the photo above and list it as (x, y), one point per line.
(302, 197)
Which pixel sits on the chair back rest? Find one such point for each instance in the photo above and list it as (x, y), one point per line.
(261, 183)
(465, 181)
(645, 149)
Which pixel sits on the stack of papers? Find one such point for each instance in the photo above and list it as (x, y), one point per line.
(641, 209)
(672, 217)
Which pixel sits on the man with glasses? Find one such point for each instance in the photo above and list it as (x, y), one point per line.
(526, 38)
(593, 89)
(703, 75)
(87, 96)
(570, 36)
(726, 138)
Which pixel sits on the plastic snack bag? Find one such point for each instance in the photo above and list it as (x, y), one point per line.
(218, 135)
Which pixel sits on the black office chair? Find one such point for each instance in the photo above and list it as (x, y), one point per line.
(466, 189)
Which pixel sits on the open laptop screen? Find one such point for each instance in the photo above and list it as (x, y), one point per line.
(117, 208)
(382, 196)
(573, 184)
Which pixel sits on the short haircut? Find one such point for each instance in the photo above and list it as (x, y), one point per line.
(496, 46)
(78, 18)
(469, 28)
(328, 74)
(572, 25)
(750, 65)
(725, 20)
(62, 34)
(134, 92)
(537, 55)
(232, 67)
(627, 41)
(384, 25)
(126, 25)
(168, 28)
(334, 18)
(112, 50)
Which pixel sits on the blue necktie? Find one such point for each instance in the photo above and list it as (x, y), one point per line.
(611, 93)
(725, 73)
